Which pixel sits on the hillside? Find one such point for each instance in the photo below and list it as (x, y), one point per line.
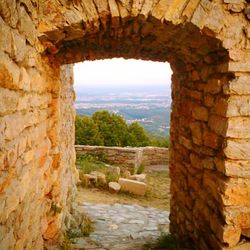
(150, 107)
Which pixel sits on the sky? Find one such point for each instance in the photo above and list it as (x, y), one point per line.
(121, 72)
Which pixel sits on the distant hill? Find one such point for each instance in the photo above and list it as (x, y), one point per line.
(150, 105)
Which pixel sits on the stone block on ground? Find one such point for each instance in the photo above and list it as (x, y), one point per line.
(88, 179)
(138, 177)
(114, 187)
(114, 170)
(101, 177)
(126, 174)
(133, 187)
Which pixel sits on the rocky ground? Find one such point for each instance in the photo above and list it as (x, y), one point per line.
(120, 220)
(121, 227)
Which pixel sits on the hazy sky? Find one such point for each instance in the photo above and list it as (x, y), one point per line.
(118, 71)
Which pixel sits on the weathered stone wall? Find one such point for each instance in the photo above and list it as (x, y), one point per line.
(155, 156)
(208, 46)
(35, 164)
(129, 158)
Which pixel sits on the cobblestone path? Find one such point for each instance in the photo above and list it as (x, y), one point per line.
(122, 227)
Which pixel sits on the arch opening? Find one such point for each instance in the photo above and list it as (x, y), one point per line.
(199, 71)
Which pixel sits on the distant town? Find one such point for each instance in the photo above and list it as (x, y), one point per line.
(150, 107)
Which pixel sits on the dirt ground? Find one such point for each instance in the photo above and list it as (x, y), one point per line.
(157, 195)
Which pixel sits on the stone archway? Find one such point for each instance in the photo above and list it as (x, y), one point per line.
(207, 44)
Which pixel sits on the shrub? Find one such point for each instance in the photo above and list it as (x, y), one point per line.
(140, 169)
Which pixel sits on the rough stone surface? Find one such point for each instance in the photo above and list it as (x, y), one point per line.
(122, 227)
(207, 44)
(128, 157)
(114, 187)
(133, 187)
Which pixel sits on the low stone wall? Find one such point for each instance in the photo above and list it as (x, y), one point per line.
(129, 157)
(155, 156)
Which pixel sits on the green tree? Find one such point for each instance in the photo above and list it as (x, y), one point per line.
(109, 129)
(137, 135)
(87, 132)
(112, 128)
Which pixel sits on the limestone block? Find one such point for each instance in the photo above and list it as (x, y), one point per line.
(88, 179)
(237, 149)
(218, 124)
(238, 127)
(195, 161)
(213, 86)
(234, 30)
(239, 216)
(126, 174)
(215, 16)
(234, 1)
(27, 27)
(101, 178)
(196, 130)
(8, 10)
(242, 66)
(114, 11)
(247, 12)
(238, 86)
(241, 246)
(200, 113)
(146, 8)
(114, 187)
(237, 192)
(51, 231)
(237, 168)
(131, 186)
(160, 9)
(28, 156)
(246, 232)
(114, 170)
(236, 7)
(5, 37)
(14, 125)
(190, 8)
(9, 73)
(192, 93)
(136, 7)
(24, 80)
(18, 46)
(8, 101)
(138, 177)
(8, 241)
(185, 142)
(210, 139)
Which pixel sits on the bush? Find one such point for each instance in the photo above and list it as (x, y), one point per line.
(106, 129)
(168, 242)
(140, 169)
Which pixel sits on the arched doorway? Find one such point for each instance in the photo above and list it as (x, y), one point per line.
(207, 45)
(203, 189)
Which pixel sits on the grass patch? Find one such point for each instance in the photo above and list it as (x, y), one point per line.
(65, 242)
(87, 226)
(88, 163)
(84, 230)
(112, 177)
(140, 169)
(158, 182)
(167, 242)
(55, 208)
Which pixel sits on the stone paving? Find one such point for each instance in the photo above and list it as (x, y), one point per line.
(122, 227)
